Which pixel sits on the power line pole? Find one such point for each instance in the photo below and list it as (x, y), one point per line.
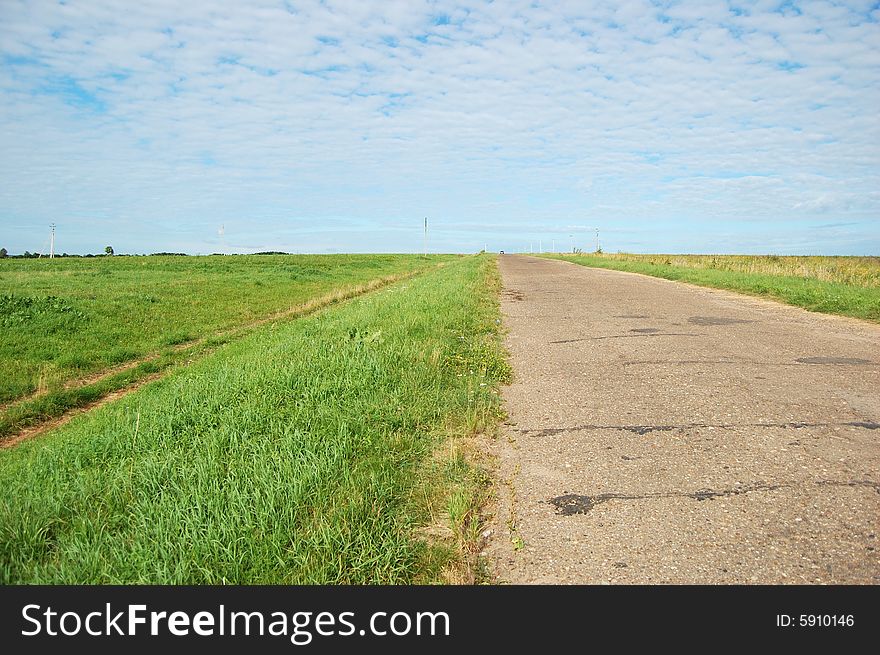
(426, 237)
(597, 239)
(52, 242)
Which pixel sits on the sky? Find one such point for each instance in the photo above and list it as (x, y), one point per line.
(339, 126)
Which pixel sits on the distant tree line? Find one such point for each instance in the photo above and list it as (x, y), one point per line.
(108, 251)
(4, 254)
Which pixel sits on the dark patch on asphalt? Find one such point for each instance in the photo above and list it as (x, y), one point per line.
(868, 425)
(631, 336)
(512, 294)
(716, 320)
(851, 483)
(635, 429)
(647, 429)
(797, 363)
(570, 504)
(620, 565)
(645, 330)
(632, 316)
(833, 360)
(709, 494)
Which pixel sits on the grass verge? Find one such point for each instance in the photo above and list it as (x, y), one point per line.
(311, 451)
(742, 274)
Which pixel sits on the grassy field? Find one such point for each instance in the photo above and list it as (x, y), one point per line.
(65, 320)
(328, 449)
(835, 285)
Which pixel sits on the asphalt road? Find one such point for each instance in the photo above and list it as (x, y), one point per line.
(665, 433)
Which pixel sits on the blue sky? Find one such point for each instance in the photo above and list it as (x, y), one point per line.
(338, 126)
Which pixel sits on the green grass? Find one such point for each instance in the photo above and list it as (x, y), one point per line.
(63, 319)
(56, 347)
(849, 286)
(309, 451)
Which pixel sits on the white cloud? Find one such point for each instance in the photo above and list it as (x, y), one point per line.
(278, 113)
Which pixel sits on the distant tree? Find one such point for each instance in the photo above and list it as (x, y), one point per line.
(26, 255)
(108, 250)
(3, 253)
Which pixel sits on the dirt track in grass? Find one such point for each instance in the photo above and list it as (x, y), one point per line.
(41, 427)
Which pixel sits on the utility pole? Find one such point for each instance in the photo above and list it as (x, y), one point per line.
(52, 242)
(597, 239)
(426, 237)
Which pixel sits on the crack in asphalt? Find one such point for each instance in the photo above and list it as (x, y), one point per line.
(799, 363)
(699, 361)
(717, 320)
(571, 504)
(645, 429)
(852, 483)
(632, 336)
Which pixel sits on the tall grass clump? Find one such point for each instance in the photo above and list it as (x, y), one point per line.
(296, 455)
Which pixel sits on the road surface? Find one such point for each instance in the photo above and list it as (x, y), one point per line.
(660, 432)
